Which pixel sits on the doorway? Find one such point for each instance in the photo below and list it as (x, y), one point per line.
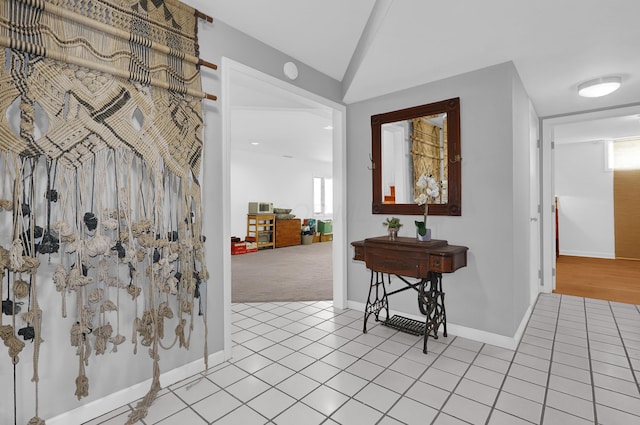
(584, 135)
(231, 69)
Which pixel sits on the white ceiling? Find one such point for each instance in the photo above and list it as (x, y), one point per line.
(281, 123)
(376, 47)
(602, 128)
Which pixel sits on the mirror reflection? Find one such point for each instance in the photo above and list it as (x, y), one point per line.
(410, 149)
(409, 143)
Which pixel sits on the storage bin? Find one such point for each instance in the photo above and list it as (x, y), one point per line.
(238, 248)
(325, 226)
(326, 237)
(307, 239)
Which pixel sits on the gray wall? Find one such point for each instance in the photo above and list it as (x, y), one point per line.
(491, 293)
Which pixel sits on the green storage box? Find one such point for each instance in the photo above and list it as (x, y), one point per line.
(325, 226)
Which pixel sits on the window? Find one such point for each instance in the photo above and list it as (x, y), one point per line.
(626, 155)
(322, 195)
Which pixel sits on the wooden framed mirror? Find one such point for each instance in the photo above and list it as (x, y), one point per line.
(408, 143)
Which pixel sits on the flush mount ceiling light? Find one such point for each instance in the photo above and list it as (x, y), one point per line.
(599, 87)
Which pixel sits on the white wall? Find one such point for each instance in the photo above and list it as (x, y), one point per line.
(491, 293)
(585, 200)
(286, 182)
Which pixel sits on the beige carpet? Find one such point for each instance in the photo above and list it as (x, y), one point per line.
(294, 273)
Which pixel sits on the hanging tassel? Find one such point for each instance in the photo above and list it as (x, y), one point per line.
(119, 249)
(91, 221)
(6, 205)
(82, 386)
(11, 341)
(51, 195)
(15, 254)
(27, 333)
(20, 288)
(49, 245)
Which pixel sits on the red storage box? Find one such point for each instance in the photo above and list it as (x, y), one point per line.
(238, 248)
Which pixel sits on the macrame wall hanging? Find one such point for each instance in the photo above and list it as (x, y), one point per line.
(100, 148)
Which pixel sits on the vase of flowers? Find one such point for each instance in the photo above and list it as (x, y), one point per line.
(393, 225)
(429, 191)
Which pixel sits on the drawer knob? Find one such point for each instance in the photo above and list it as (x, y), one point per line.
(436, 263)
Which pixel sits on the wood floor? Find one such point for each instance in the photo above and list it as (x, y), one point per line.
(612, 280)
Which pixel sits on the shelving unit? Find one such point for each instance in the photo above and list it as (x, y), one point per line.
(261, 228)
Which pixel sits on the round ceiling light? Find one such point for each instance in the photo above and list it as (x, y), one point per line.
(599, 87)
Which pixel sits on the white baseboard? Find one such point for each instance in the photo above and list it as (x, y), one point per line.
(503, 341)
(607, 255)
(118, 399)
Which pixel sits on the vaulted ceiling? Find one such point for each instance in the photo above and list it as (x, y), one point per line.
(374, 47)
(377, 47)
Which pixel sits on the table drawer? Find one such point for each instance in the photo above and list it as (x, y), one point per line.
(440, 264)
(407, 265)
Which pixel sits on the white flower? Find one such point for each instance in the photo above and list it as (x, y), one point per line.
(422, 182)
(421, 199)
(430, 189)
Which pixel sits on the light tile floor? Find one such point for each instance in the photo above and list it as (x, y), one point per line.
(306, 363)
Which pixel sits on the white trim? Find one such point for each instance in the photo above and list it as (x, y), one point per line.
(228, 67)
(498, 340)
(106, 404)
(226, 200)
(339, 259)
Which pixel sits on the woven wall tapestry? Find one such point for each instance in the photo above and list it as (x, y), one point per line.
(100, 148)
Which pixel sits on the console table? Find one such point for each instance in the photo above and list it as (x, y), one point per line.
(409, 258)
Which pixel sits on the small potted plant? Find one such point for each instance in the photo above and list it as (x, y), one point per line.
(393, 225)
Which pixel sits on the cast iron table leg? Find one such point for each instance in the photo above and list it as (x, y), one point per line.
(381, 301)
(431, 303)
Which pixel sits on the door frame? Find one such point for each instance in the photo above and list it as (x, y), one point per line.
(548, 125)
(339, 254)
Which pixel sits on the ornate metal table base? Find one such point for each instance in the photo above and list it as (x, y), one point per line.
(381, 301)
(430, 302)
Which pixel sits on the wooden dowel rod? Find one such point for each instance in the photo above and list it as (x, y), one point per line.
(203, 16)
(207, 64)
(210, 96)
(35, 49)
